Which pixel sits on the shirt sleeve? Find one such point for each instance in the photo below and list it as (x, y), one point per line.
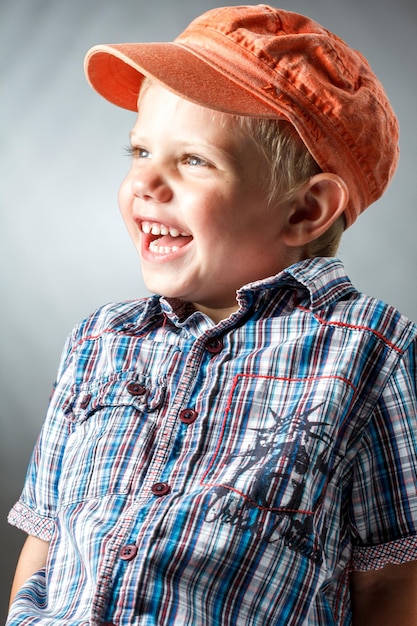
(384, 495)
(35, 511)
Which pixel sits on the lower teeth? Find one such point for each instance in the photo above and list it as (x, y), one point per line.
(162, 249)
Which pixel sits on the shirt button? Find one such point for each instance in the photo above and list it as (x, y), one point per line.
(160, 489)
(188, 416)
(214, 345)
(135, 389)
(128, 552)
(85, 401)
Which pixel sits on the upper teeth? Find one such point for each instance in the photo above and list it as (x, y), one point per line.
(161, 229)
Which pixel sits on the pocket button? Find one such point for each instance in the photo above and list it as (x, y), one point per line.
(135, 389)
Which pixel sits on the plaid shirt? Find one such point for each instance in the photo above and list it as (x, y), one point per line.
(233, 474)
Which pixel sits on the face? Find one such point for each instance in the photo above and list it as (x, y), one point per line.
(194, 206)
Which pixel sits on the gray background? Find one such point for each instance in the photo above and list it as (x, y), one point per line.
(63, 246)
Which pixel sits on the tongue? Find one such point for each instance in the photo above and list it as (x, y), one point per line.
(168, 241)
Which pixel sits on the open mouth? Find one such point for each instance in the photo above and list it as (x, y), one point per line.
(163, 239)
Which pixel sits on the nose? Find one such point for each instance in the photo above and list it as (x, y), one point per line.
(149, 184)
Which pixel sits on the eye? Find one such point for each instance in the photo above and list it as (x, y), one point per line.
(137, 152)
(196, 161)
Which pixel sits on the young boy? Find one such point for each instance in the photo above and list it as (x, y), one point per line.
(239, 449)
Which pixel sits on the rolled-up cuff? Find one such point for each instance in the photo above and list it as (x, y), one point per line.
(376, 557)
(31, 522)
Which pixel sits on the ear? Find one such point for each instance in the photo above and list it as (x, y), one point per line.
(314, 207)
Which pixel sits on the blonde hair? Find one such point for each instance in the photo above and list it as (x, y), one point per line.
(289, 166)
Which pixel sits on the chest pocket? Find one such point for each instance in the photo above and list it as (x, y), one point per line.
(112, 424)
(281, 440)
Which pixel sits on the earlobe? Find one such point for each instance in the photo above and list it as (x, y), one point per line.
(315, 207)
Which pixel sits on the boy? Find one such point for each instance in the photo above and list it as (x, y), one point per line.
(241, 448)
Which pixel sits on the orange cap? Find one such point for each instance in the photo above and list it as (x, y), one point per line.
(265, 62)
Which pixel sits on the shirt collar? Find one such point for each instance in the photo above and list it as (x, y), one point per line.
(323, 281)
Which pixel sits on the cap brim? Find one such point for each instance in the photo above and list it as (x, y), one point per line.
(116, 72)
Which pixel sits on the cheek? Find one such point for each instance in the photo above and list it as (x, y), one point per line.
(125, 201)
(125, 198)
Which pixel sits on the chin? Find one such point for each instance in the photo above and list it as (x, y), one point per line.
(161, 289)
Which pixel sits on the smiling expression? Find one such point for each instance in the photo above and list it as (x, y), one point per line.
(194, 205)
